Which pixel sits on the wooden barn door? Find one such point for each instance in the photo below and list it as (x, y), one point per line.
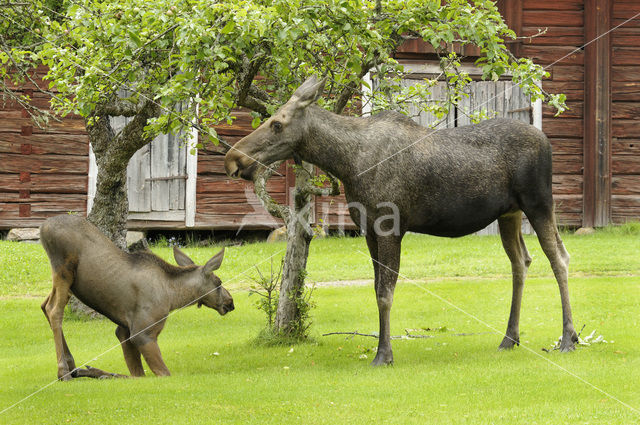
(156, 180)
(160, 180)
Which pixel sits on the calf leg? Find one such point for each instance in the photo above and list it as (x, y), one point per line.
(53, 309)
(388, 265)
(545, 226)
(130, 351)
(153, 357)
(146, 342)
(513, 243)
(92, 372)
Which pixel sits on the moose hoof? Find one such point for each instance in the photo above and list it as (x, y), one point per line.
(568, 342)
(508, 343)
(67, 376)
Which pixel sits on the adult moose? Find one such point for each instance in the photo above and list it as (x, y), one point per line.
(135, 290)
(450, 183)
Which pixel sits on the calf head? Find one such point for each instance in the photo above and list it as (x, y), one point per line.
(213, 295)
(278, 137)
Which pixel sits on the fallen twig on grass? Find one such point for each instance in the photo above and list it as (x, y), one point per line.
(407, 334)
(586, 341)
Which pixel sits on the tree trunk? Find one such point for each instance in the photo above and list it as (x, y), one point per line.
(113, 152)
(110, 205)
(299, 235)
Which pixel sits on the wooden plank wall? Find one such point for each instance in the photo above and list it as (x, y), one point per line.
(564, 21)
(223, 203)
(45, 173)
(625, 112)
(42, 172)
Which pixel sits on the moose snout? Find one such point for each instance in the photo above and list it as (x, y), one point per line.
(226, 305)
(229, 307)
(231, 167)
(233, 162)
(238, 164)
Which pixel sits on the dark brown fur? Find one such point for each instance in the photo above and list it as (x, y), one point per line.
(449, 182)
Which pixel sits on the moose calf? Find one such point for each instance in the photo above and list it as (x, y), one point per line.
(136, 291)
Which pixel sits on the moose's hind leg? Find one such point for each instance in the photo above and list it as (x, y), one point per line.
(545, 227)
(513, 243)
(53, 308)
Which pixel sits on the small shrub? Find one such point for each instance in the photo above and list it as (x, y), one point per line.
(267, 289)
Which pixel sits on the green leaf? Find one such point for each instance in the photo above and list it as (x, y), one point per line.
(135, 38)
(228, 27)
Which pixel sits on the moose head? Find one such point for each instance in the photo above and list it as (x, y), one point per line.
(278, 137)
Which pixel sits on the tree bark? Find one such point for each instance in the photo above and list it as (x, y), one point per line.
(299, 235)
(110, 205)
(113, 152)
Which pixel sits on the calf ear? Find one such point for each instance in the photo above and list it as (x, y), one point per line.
(214, 263)
(309, 91)
(181, 258)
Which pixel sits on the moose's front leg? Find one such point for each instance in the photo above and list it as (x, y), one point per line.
(388, 266)
(151, 353)
(146, 342)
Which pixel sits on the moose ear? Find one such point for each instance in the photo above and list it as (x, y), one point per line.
(181, 258)
(309, 91)
(214, 263)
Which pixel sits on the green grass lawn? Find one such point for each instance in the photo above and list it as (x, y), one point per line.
(221, 376)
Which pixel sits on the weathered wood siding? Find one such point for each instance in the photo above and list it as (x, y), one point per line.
(223, 203)
(564, 21)
(42, 173)
(625, 112)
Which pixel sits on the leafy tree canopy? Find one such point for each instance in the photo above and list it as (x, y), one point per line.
(213, 56)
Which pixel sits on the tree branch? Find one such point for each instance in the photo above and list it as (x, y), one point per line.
(254, 104)
(250, 96)
(334, 190)
(133, 137)
(350, 88)
(407, 335)
(119, 107)
(260, 189)
(260, 94)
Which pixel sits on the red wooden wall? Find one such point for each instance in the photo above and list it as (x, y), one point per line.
(625, 112)
(42, 173)
(225, 203)
(596, 143)
(564, 21)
